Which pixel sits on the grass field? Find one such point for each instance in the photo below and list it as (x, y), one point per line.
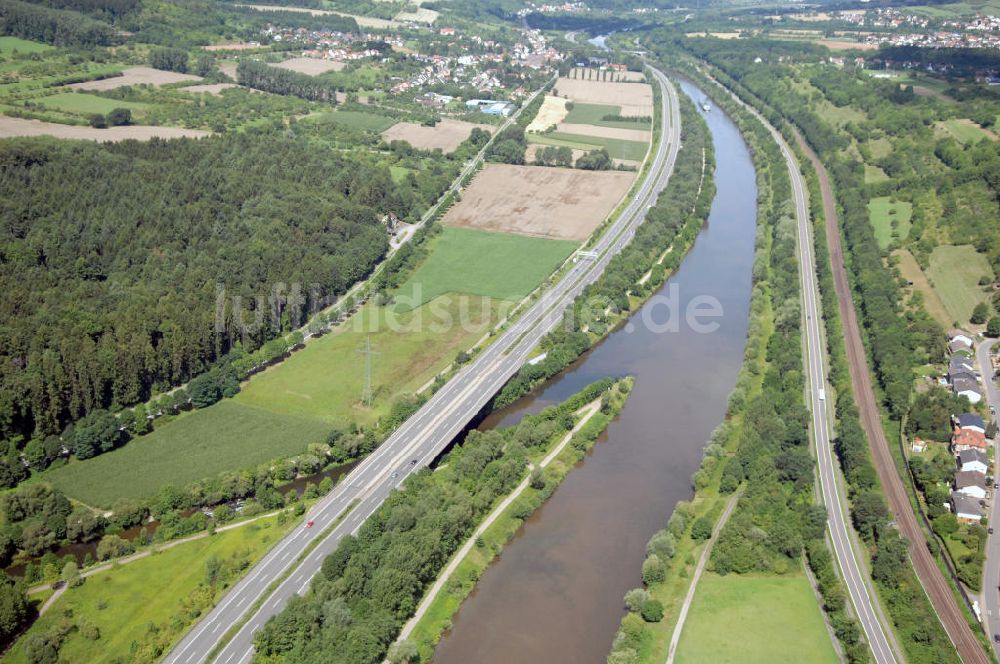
(964, 131)
(882, 213)
(592, 114)
(357, 120)
(199, 444)
(496, 265)
(9, 44)
(913, 273)
(955, 271)
(73, 102)
(160, 585)
(874, 174)
(749, 619)
(618, 149)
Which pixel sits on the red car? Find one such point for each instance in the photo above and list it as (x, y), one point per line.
(309, 524)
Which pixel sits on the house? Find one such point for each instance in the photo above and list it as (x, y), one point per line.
(961, 337)
(968, 510)
(959, 363)
(971, 483)
(967, 439)
(970, 421)
(974, 461)
(919, 445)
(965, 385)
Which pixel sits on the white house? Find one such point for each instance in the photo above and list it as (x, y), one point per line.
(966, 509)
(971, 484)
(974, 461)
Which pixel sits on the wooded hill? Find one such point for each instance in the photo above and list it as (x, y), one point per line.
(110, 257)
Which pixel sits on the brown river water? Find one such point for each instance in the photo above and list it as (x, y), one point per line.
(554, 595)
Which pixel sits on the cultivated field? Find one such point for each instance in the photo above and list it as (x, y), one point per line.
(420, 15)
(635, 99)
(630, 152)
(11, 127)
(196, 445)
(594, 114)
(883, 213)
(311, 66)
(913, 273)
(597, 131)
(210, 88)
(552, 112)
(558, 203)
(964, 130)
(363, 21)
(496, 265)
(755, 620)
(356, 119)
(136, 76)
(446, 135)
(955, 272)
(77, 102)
(587, 73)
(239, 46)
(11, 44)
(160, 585)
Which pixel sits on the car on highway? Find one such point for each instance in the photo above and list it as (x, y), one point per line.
(413, 462)
(309, 523)
(989, 531)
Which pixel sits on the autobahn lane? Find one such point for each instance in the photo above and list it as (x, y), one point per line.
(278, 577)
(855, 578)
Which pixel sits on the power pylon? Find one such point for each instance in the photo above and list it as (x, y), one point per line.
(367, 395)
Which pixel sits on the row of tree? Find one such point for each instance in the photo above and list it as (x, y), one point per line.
(261, 76)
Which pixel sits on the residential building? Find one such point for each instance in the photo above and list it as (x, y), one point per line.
(966, 509)
(971, 484)
(970, 421)
(967, 439)
(965, 385)
(974, 461)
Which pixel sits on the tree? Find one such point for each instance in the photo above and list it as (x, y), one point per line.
(118, 117)
(979, 314)
(97, 121)
(403, 652)
(636, 598)
(701, 529)
(538, 479)
(652, 570)
(652, 611)
(14, 610)
(113, 546)
(595, 160)
(71, 574)
(82, 525)
(993, 327)
(96, 433)
(169, 59)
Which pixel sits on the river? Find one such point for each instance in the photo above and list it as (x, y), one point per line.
(554, 594)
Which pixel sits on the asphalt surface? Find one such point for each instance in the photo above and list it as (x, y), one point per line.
(418, 440)
(936, 587)
(855, 577)
(991, 570)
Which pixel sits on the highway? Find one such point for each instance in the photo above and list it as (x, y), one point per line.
(855, 577)
(421, 438)
(991, 570)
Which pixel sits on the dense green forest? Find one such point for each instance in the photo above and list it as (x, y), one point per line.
(260, 76)
(110, 257)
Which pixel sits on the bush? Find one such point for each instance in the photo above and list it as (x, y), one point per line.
(702, 528)
(119, 117)
(652, 611)
(636, 598)
(97, 121)
(653, 570)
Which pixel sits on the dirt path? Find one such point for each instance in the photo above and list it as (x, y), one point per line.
(934, 583)
(702, 561)
(588, 412)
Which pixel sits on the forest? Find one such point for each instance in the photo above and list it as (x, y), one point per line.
(113, 257)
(52, 26)
(260, 76)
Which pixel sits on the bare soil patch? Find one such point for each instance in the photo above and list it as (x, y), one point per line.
(552, 112)
(311, 66)
(240, 46)
(210, 88)
(363, 21)
(640, 135)
(844, 45)
(560, 203)
(421, 15)
(136, 76)
(229, 69)
(446, 135)
(635, 99)
(12, 127)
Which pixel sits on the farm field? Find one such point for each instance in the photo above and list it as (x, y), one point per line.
(754, 619)
(587, 73)
(598, 131)
(161, 585)
(552, 112)
(558, 203)
(11, 127)
(446, 135)
(874, 174)
(882, 213)
(136, 76)
(635, 99)
(632, 151)
(495, 265)
(357, 120)
(955, 271)
(363, 21)
(593, 114)
(75, 102)
(964, 131)
(196, 445)
(310, 66)
(210, 88)
(10, 44)
(913, 273)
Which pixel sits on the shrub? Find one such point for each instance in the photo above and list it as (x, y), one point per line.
(652, 611)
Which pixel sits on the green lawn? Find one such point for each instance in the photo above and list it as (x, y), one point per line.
(357, 120)
(618, 149)
(8, 44)
(592, 114)
(955, 271)
(874, 174)
(496, 265)
(963, 130)
(749, 619)
(79, 102)
(882, 213)
(227, 436)
(162, 586)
